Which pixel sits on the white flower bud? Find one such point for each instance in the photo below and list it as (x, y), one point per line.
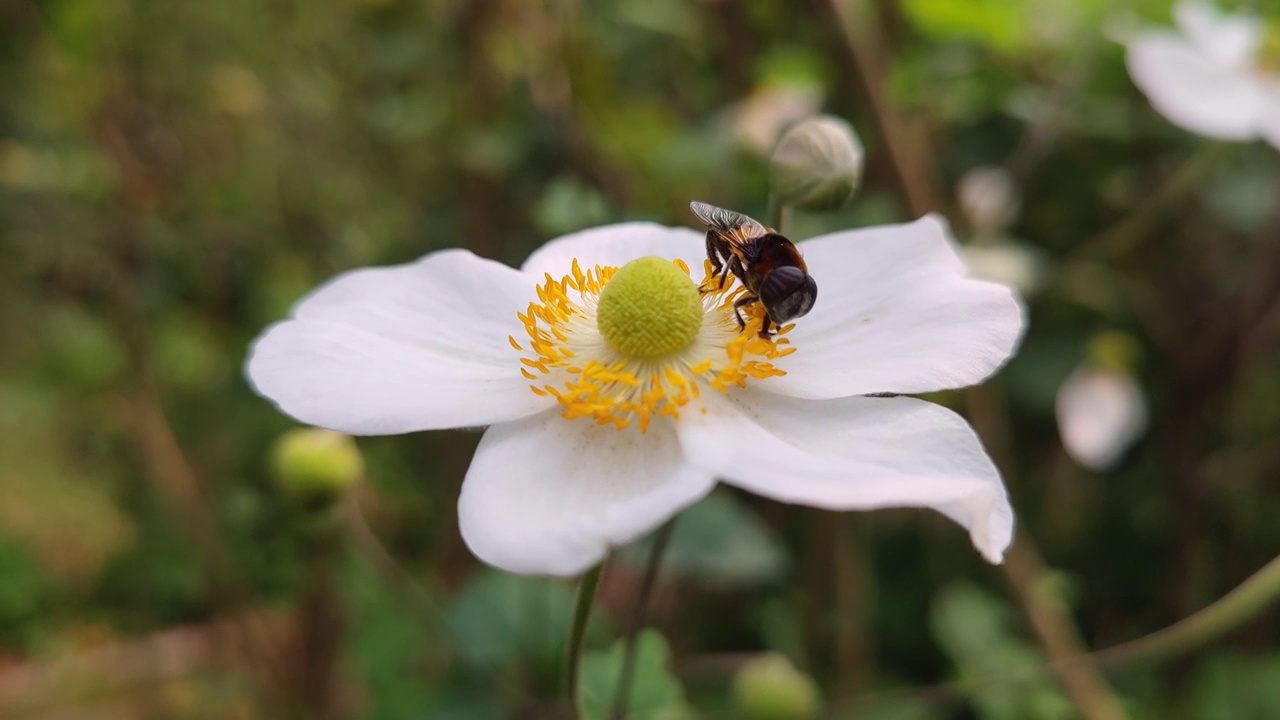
(817, 164)
(989, 200)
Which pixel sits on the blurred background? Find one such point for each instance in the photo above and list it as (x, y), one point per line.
(174, 175)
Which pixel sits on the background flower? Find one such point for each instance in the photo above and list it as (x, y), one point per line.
(1208, 76)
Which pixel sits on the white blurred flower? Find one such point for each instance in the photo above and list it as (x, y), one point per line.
(1101, 409)
(616, 394)
(989, 200)
(759, 119)
(1210, 76)
(1008, 262)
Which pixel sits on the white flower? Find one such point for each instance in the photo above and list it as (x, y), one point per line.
(1209, 77)
(1101, 408)
(1101, 413)
(590, 447)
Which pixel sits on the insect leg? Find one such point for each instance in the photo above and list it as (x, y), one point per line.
(713, 253)
(764, 328)
(737, 315)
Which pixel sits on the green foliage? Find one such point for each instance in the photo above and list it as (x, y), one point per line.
(976, 630)
(722, 542)
(655, 692)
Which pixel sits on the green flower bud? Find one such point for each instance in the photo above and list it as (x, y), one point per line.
(817, 164)
(313, 465)
(1115, 350)
(771, 688)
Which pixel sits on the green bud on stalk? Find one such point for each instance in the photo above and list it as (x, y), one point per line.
(816, 165)
(315, 466)
(771, 688)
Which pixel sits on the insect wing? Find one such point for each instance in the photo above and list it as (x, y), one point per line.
(733, 226)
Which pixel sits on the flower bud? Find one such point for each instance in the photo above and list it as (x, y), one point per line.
(989, 200)
(311, 464)
(771, 688)
(817, 164)
(1115, 350)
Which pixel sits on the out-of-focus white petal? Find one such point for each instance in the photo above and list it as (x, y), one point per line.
(896, 313)
(550, 496)
(403, 348)
(989, 199)
(1019, 266)
(758, 119)
(1101, 413)
(616, 245)
(1192, 91)
(1229, 40)
(1269, 124)
(854, 454)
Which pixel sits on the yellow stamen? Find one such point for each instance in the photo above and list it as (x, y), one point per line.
(616, 389)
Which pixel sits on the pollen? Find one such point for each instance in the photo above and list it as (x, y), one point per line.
(627, 347)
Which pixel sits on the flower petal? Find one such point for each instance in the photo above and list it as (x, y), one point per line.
(403, 348)
(1230, 40)
(1270, 122)
(550, 496)
(1191, 90)
(896, 313)
(616, 245)
(854, 454)
(1101, 413)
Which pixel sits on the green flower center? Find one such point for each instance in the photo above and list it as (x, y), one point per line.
(650, 309)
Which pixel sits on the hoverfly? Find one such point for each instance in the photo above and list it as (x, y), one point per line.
(767, 264)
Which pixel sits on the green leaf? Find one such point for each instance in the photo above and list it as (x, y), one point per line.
(721, 541)
(500, 618)
(655, 692)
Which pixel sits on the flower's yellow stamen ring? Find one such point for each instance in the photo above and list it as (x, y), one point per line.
(616, 390)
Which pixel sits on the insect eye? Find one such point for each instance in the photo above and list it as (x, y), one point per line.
(788, 293)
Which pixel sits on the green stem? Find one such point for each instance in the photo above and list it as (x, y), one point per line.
(573, 653)
(1255, 594)
(622, 691)
(1258, 592)
(779, 214)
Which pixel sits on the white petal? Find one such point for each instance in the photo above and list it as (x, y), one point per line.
(616, 245)
(1101, 413)
(403, 348)
(896, 313)
(854, 454)
(549, 496)
(1191, 90)
(1229, 40)
(1269, 125)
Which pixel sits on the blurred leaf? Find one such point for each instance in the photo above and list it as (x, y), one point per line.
(998, 23)
(1237, 687)
(721, 541)
(24, 592)
(499, 618)
(975, 629)
(568, 205)
(655, 692)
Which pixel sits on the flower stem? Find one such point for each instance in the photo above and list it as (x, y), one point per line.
(1258, 592)
(577, 633)
(779, 213)
(622, 691)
